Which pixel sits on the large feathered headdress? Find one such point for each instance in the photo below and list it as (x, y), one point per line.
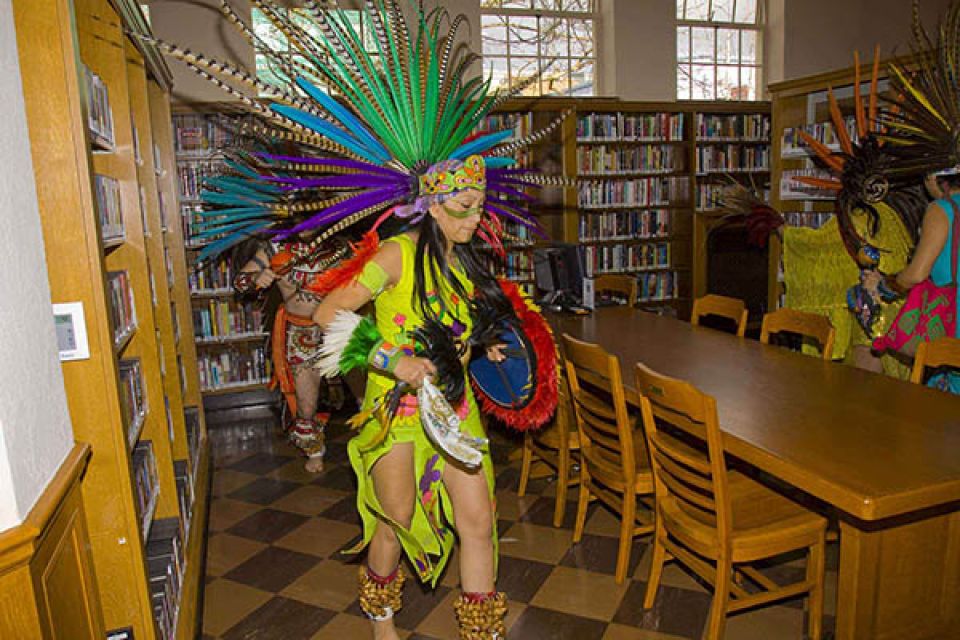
(370, 118)
(863, 173)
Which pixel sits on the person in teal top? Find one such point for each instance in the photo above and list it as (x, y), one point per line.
(934, 253)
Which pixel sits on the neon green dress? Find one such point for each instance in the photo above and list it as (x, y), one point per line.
(818, 271)
(429, 539)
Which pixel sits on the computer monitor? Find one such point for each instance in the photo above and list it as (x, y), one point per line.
(559, 274)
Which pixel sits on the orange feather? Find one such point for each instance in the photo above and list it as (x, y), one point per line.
(873, 86)
(858, 99)
(820, 183)
(839, 125)
(822, 151)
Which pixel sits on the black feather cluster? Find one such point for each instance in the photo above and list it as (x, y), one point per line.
(436, 342)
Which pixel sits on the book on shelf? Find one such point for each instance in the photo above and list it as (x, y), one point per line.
(602, 159)
(157, 160)
(625, 225)
(626, 258)
(199, 134)
(220, 318)
(738, 126)
(191, 177)
(166, 559)
(632, 127)
(231, 367)
(160, 351)
(807, 219)
(793, 189)
(123, 314)
(137, 155)
(168, 266)
(133, 398)
(216, 275)
(185, 493)
(99, 113)
(164, 213)
(182, 372)
(145, 483)
(635, 192)
(166, 412)
(107, 191)
(176, 322)
(823, 132)
(732, 157)
(191, 418)
(657, 287)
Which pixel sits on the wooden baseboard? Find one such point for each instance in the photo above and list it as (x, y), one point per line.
(47, 587)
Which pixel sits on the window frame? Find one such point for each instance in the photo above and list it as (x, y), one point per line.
(756, 27)
(592, 15)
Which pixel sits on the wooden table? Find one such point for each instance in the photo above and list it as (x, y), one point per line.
(886, 453)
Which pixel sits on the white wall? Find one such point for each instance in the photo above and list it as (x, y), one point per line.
(35, 433)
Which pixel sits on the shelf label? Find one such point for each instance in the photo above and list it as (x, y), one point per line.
(71, 330)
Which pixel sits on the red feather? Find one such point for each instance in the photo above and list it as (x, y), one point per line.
(544, 402)
(350, 269)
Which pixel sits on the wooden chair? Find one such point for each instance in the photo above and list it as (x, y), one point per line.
(614, 465)
(621, 284)
(714, 305)
(557, 447)
(717, 522)
(806, 324)
(943, 352)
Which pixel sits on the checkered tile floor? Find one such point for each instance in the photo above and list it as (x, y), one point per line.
(275, 571)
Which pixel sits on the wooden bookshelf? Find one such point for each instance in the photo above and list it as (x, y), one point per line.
(127, 399)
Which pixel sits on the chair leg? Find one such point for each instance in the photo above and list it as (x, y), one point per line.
(582, 504)
(526, 464)
(627, 525)
(563, 484)
(721, 594)
(815, 568)
(656, 565)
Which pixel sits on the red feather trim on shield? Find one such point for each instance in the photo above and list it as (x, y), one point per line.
(350, 269)
(544, 402)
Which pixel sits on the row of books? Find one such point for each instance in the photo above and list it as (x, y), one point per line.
(191, 416)
(793, 189)
(190, 177)
(626, 257)
(744, 126)
(213, 275)
(183, 478)
(709, 196)
(822, 132)
(809, 219)
(655, 287)
(638, 192)
(123, 314)
(225, 318)
(145, 482)
(133, 398)
(625, 225)
(733, 157)
(198, 133)
(99, 114)
(517, 266)
(232, 368)
(521, 123)
(165, 564)
(107, 191)
(190, 220)
(629, 127)
(641, 159)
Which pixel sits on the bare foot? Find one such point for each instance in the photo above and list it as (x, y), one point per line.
(385, 630)
(314, 464)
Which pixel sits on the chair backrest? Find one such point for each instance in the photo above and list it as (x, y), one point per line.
(714, 305)
(683, 472)
(806, 324)
(622, 284)
(943, 352)
(607, 444)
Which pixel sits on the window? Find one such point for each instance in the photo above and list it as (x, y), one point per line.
(553, 37)
(719, 49)
(277, 42)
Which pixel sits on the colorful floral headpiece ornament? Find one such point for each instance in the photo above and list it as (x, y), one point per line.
(376, 148)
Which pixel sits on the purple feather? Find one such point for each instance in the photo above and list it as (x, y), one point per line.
(499, 187)
(349, 206)
(354, 180)
(531, 224)
(333, 162)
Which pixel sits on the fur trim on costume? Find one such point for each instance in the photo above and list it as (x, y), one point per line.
(350, 270)
(544, 402)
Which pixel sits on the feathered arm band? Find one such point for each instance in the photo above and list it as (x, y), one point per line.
(353, 341)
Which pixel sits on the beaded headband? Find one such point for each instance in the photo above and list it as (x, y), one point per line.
(472, 175)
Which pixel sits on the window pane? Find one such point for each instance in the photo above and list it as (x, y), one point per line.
(302, 19)
(728, 83)
(577, 5)
(698, 10)
(581, 77)
(553, 38)
(497, 69)
(515, 4)
(748, 46)
(265, 30)
(703, 44)
(728, 45)
(683, 44)
(267, 73)
(702, 82)
(489, 4)
(581, 38)
(556, 76)
(521, 69)
(746, 12)
(683, 82)
(549, 5)
(748, 79)
(722, 11)
(494, 30)
(523, 35)
(680, 4)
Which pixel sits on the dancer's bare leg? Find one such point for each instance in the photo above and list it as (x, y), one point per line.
(307, 386)
(473, 512)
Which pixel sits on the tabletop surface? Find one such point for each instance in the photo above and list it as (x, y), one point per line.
(871, 445)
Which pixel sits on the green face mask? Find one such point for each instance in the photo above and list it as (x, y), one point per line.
(462, 215)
